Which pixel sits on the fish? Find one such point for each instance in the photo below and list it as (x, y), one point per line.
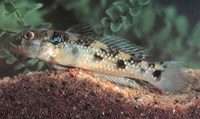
(113, 57)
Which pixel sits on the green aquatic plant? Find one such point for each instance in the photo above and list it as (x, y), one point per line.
(169, 32)
(120, 14)
(16, 17)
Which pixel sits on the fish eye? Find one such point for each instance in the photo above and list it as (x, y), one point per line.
(28, 35)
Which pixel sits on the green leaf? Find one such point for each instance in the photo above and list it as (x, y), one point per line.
(138, 33)
(27, 27)
(20, 23)
(175, 45)
(35, 6)
(122, 8)
(134, 11)
(147, 26)
(11, 60)
(43, 25)
(164, 33)
(26, 11)
(182, 25)
(8, 1)
(105, 22)
(112, 13)
(98, 29)
(19, 66)
(2, 33)
(3, 53)
(127, 20)
(26, 70)
(107, 32)
(144, 2)
(9, 7)
(195, 36)
(171, 12)
(40, 65)
(6, 14)
(133, 2)
(32, 61)
(115, 27)
(23, 11)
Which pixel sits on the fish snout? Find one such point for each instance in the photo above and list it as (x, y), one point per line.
(16, 40)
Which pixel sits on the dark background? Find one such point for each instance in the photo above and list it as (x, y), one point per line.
(189, 8)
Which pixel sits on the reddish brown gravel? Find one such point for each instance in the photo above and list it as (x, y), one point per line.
(79, 94)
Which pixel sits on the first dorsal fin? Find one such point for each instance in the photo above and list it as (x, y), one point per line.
(82, 29)
(125, 46)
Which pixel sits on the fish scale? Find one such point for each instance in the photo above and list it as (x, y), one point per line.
(113, 57)
(129, 66)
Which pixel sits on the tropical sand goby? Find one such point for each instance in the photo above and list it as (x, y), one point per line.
(114, 57)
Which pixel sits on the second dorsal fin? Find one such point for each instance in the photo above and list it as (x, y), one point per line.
(125, 46)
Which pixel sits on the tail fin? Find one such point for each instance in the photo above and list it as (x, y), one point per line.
(173, 78)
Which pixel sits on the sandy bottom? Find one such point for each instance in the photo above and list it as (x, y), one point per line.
(75, 93)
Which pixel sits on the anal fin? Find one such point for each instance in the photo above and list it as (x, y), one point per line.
(120, 80)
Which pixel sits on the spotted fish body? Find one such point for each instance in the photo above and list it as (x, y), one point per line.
(64, 49)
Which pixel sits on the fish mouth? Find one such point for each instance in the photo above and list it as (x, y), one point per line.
(17, 49)
(14, 47)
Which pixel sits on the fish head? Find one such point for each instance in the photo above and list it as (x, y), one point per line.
(34, 44)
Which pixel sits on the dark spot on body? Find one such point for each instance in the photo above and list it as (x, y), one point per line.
(143, 70)
(97, 57)
(134, 60)
(113, 52)
(151, 64)
(157, 73)
(110, 51)
(83, 41)
(75, 51)
(103, 50)
(133, 54)
(161, 62)
(165, 66)
(121, 64)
